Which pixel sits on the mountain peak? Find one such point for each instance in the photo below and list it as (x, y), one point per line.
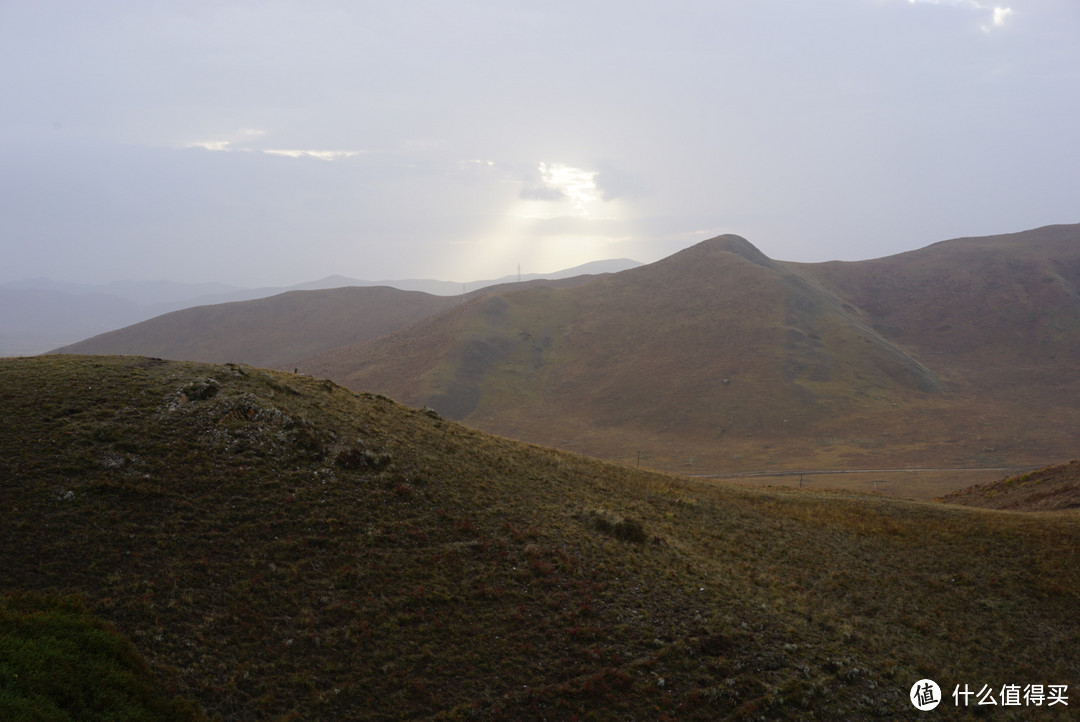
(710, 250)
(731, 243)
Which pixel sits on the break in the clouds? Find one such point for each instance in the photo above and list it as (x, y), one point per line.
(995, 15)
(558, 182)
(246, 141)
(273, 143)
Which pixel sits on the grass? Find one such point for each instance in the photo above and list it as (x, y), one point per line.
(277, 547)
(58, 662)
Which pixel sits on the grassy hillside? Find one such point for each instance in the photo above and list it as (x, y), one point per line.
(278, 331)
(959, 356)
(271, 332)
(719, 359)
(1001, 316)
(1051, 488)
(57, 662)
(277, 547)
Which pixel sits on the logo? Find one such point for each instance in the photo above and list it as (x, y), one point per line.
(925, 694)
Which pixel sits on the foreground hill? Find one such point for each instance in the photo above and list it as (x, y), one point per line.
(276, 546)
(719, 358)
(1051, 488)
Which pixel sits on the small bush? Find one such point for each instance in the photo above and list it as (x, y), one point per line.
(355, 458)
(623, 528)
(59, 662)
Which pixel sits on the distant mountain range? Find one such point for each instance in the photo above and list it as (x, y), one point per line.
(37, 315)
(963, 353)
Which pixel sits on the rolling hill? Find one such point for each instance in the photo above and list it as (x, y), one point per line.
(1051, 488)
(275, 546)
(273, 331)
(718, 359)
(280, 330)
(963, 354)
(39, 314)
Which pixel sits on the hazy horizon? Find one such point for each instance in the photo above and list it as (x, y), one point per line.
(281, 143)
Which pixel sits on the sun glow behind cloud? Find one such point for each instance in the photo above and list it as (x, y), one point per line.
(577, 185)
(557, 218)
(559, 190)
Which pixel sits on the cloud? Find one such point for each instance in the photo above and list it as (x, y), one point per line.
(215, 145)
(998, 13)
(244, 141)
(559, 182)
(226, 142)
(327, 155)
(539, 191)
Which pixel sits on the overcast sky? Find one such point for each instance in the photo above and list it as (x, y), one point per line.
(269, 143)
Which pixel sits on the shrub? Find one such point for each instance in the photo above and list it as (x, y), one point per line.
(619, 527)
(58, 662)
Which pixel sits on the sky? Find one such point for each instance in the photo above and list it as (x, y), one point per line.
(277, 142)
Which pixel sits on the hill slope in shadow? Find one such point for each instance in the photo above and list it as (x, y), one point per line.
(276, 546)
(1052, 488)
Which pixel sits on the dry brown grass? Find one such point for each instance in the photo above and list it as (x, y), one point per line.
(1052, 488)
(718, 360)
(278, 547)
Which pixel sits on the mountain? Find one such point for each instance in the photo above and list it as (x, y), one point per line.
(718, 359)
(270, 331)
(721, 358)
(999, 315)
(37, 315)
(274, 546)
(280, 330)
(147, 293)
(1011, 302)
(454, 288)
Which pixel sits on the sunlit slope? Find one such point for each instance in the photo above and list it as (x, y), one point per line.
(276, 546)
(716, 351)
